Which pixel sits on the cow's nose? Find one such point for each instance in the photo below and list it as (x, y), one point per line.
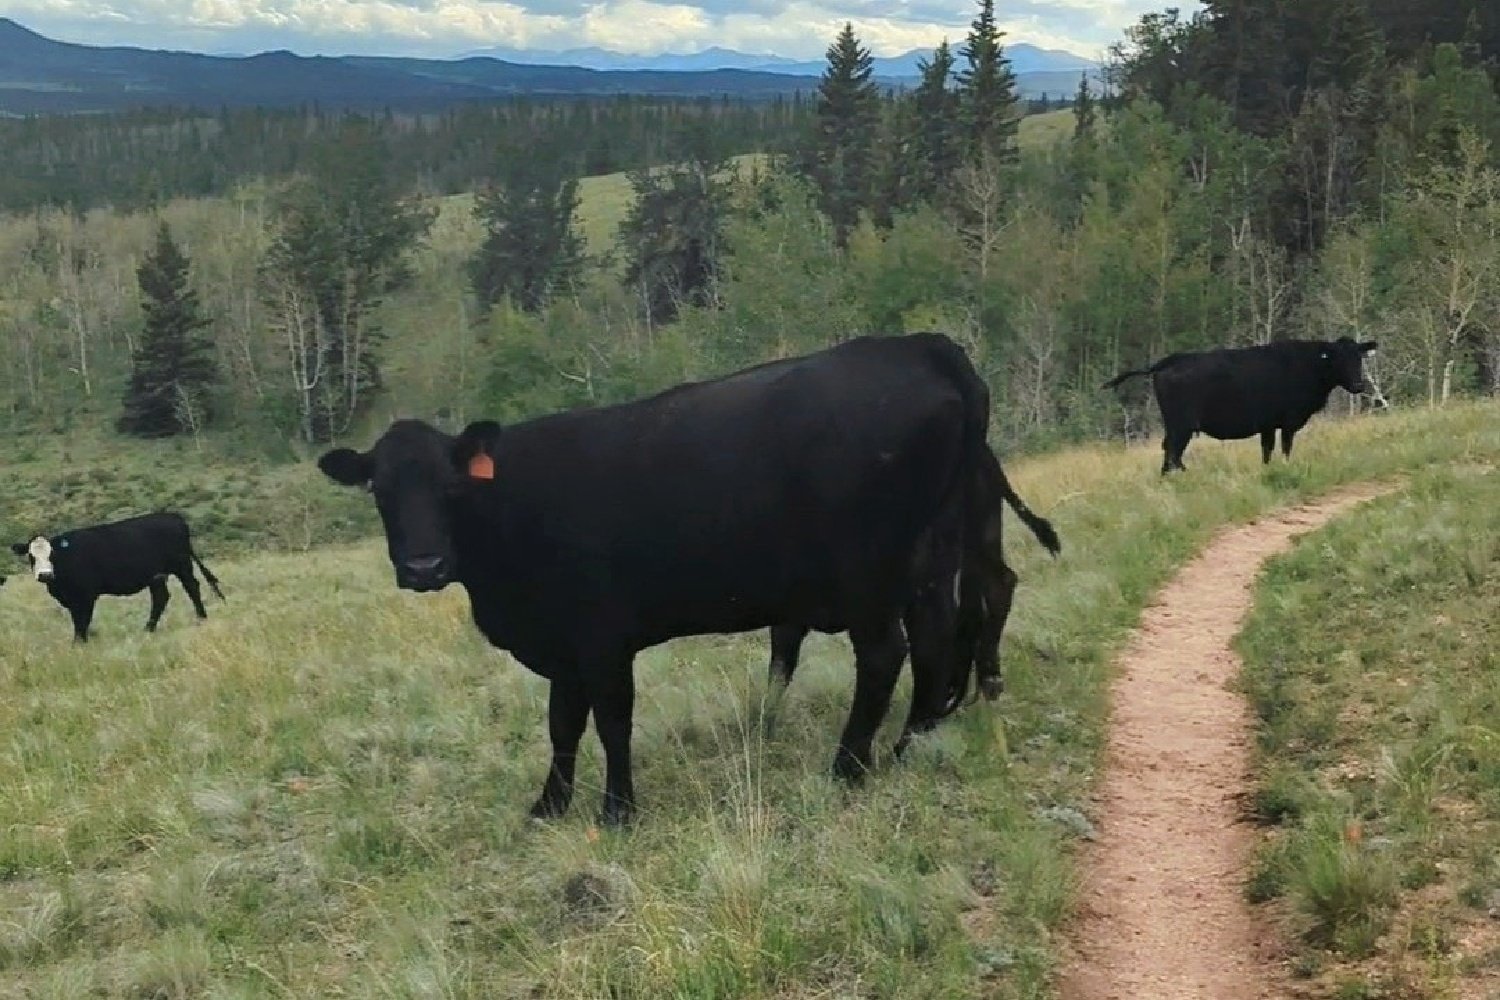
(44, 577)
(426, 567)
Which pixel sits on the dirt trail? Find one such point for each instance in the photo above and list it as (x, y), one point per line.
(1163, 914)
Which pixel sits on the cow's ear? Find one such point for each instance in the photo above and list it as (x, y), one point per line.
(474, 451)
(1368, 346)
(347, 466)
(20, 548)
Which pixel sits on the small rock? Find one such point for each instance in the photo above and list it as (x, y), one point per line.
(1073, 820)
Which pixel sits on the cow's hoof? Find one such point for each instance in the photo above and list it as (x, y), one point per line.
(848, 768)
(547, 807)
(616, 814)
(991, 687)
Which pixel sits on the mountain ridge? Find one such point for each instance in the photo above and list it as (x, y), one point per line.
(40, 75)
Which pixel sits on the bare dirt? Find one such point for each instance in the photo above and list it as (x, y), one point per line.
(1162, 912)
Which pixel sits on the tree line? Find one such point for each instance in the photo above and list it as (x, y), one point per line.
(135, 160)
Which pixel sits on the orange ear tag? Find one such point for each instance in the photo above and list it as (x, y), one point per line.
(481, 466)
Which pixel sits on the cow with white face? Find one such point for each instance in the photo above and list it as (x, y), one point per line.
(78, 567)
(39, 552)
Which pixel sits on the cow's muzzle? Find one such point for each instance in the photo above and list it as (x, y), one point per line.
(424, 574)
(45, 576)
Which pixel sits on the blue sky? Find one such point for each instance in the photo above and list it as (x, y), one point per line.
(799, 28)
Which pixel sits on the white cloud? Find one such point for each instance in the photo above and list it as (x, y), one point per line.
(801, 28)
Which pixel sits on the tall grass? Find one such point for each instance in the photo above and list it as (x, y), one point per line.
(1372, 662)
(321, 791)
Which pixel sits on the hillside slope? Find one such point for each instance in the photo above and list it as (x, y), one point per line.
(323, 788)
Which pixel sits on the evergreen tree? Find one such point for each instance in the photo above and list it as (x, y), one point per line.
(1085, 113)
(987, 91)
(842, 161)
(673, 235)
(936, 142)
(531, 250)
(173, 368)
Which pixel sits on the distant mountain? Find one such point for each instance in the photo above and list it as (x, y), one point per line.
(1024, 58)
(40, 76)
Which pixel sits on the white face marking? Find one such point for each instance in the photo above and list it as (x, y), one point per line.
(41, 557)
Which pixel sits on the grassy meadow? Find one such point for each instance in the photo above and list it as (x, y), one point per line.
(322, 791)
(1373, 660)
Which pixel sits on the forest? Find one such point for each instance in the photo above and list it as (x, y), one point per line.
(1258, 171)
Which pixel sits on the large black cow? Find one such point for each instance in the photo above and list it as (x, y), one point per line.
(1240, 392)
(118, 559)
(986, 589)
(829, 490)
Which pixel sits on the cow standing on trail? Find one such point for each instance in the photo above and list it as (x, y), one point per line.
(118, 559)
(1240, 392)
(830, 490)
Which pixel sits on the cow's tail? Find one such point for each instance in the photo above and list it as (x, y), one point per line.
(1123, 377)
(1040, 526)
(208, 574)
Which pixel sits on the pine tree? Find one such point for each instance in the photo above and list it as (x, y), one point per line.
(532, 250)
(987, 91)
(937, 144)
(673, 235)
(173, 367)
(848, 115)
(1085, 113)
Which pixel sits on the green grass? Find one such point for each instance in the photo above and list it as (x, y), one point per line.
(235, 500)
(1373, 661)
(1045, 129)
(322, 790)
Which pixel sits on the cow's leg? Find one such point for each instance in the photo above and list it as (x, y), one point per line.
(611, 691)
(999, 592)
(878, 652)
(1267, 445)
(1173, 445)
(965, 657)
(83, 614)
(930, 627)
(567, 716)
(159, 599)
(786, 649)
(194, 591)
(1287, 433)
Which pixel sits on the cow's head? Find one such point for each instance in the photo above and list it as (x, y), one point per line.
(415, 473)
(1345, 359)
(40, 552)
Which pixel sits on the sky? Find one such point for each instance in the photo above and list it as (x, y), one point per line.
(443, 28)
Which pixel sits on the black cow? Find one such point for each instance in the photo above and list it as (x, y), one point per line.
(118, 559)
(1240, 392)
(828, 490)
(987, 587)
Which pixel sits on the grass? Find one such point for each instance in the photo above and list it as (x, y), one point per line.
(1372, 662)
(321, 791)
(235, 500)
(1045, 129)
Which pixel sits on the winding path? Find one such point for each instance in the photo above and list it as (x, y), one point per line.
(1163, 914)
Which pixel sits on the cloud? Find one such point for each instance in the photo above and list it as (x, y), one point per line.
(800, 28)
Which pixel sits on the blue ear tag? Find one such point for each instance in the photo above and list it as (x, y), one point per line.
(62, 543)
